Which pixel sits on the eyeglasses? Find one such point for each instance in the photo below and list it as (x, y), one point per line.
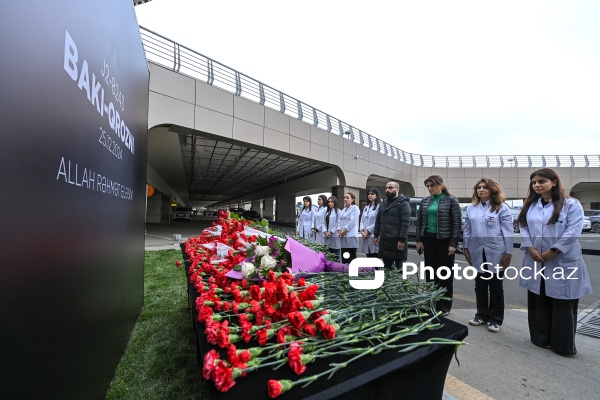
(540, 182)
(390, 187)
(371, 193)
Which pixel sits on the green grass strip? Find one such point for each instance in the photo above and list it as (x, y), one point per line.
(160, 359)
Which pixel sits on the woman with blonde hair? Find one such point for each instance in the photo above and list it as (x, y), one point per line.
(488, 245)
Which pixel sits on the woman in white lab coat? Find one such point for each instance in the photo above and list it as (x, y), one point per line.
(550, 225)
(488, 245)
(367, 223)
(305, 220)
(319, 220)
(332, 215)
(348, 228)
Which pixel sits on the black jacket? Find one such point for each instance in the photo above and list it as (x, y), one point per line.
(448, 219)
(391, 227)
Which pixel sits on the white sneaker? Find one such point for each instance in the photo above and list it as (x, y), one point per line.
(476, 321)
(492, 327)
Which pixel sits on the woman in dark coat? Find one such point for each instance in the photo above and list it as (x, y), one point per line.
(438, 231)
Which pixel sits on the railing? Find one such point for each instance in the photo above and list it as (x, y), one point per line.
(186, 61)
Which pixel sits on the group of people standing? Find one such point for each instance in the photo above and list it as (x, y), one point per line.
(329, 225)
(553, 270)
(550, 224)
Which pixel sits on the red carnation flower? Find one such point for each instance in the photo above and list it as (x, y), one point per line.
(211, 332)
(261, 336)
(296, 319)
(244, 356)
(309, 293)
(294, 359)
(320, 323)
(210, 359)
(277, 388)
(232, 357)
(281, 335)
(255, 292)
(223, 377)
(329, 332)
(310, 329)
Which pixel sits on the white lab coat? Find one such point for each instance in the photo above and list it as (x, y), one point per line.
(367, 223)
(333, 241)
(349, 223)
(566, 274)
(304, 226)
(488, 230)
(319, 224)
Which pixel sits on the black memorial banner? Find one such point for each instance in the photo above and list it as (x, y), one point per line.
(74, 107)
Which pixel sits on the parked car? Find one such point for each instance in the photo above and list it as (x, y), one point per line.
(515, 214)
(594, 216)
(251, 215)
(238, 211)
(415, 204)
(587, 224)
(182, 213)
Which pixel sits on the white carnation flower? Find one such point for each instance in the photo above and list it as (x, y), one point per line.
(262, 250)
(248, 270)
(268, 262)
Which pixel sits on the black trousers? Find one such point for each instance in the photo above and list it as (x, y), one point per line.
(436, 256)
(391, 263)
(489, 293)
(552, 322)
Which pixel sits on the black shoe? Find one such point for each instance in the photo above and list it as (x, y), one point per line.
(560, 353)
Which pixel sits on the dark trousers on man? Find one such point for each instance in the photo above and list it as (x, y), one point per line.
(391, 263)
(436, 256)
(489, 293)
(552, 322)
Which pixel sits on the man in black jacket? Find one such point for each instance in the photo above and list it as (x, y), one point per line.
(391, 226)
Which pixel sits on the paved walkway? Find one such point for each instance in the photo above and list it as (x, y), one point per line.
(503, 365)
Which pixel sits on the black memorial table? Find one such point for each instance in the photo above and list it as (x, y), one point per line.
(417, 374)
